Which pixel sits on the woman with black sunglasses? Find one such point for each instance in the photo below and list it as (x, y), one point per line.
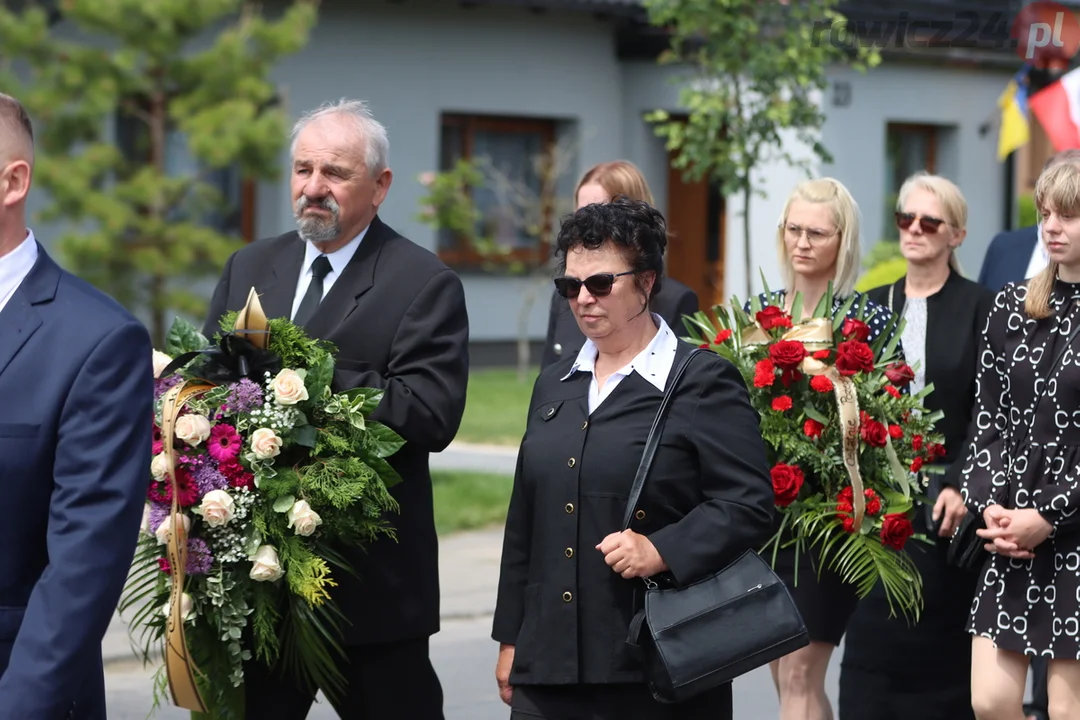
(944, 314)
(572, 579)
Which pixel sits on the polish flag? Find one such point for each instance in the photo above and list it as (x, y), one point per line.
(1057, 107)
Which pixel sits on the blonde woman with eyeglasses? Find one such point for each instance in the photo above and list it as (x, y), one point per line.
(818, 243)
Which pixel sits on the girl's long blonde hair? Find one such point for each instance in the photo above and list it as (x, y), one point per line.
(618, 177)
(1058, 189)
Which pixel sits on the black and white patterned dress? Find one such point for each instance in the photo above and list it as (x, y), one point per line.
(1029, 606)
(879, 315)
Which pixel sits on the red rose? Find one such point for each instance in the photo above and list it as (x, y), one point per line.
(849, 524)
(704, 346)
(854, 329)
(895, 531)
(821, 384)
(853, 356)
(812, 428)
(899, 374)
(821, 355)
(846, 495)
(787, 353)
(874, 433)
(873, 502)
(722, 336)
(787, 480)
(782, 403)
(916, 443)
(764, 373)
(164, 566)
(935, 450)
(896, 432)
(892, 391)
(844, 507)
(916, 464)
(770, 317)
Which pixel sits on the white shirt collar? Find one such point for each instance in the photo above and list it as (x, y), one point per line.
(653, 363)
(338, 259)
(16, 265)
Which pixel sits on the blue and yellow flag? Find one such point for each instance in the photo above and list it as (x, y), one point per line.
(1014, 130)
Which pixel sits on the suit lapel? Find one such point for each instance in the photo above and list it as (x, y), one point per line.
(19, 319)
(356, 279)
(278, 294)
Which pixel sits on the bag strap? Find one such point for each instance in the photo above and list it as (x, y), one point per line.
(653, 441)
(1026, 429)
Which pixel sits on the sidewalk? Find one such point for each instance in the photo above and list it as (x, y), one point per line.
(468, 573)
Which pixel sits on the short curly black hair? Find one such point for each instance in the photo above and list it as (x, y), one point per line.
(635, 227)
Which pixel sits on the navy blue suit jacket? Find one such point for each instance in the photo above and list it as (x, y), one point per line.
(1007, 257)
(76, 392)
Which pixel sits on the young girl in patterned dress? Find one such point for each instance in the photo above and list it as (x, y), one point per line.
(1023, 473)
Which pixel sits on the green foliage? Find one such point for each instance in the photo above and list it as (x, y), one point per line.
(140, 233)
(1028, 213)
(183, 337)
(753, 69)
(882, 251)
(884, 273)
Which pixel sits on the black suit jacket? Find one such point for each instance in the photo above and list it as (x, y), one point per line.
(955, 319)
(397, 315)
(1007, 257)
(708, 498)
(564, 337)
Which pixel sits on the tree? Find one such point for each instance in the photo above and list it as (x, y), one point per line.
(755, 68)
(531, 208)
(187, 76)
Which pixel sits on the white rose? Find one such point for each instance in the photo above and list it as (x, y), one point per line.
(264, 565)
(303, 519)
(161, 361)
(164, 529)
(144, 526)
(193, 429)
(217, 508)
(187, 608)
(159, 466)
(265, 443)
(288, 388)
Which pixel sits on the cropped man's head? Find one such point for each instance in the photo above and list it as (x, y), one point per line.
(16, 157)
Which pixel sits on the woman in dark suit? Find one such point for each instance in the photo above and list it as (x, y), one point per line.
(599, 184)
(571, 580)
(892, 670)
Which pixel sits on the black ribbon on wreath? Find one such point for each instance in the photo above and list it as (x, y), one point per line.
(234, 357)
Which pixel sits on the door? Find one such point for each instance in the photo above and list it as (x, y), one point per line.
(696, 222)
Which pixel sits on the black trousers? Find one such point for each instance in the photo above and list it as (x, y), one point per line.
(613, 702)
(386, 681)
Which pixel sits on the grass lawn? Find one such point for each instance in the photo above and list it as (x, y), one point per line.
(496, 406)
(467, 501)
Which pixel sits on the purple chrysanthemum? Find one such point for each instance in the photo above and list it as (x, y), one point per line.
(244, 397)
(206, 475)
(161, 385)
(199, 558)
(158, 513)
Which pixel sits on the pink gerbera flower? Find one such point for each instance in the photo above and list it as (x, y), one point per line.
(224, 443)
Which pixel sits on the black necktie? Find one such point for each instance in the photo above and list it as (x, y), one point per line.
(313, 296)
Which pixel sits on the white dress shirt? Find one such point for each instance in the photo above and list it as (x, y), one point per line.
(654, 363)
(15, 266)
(1039, 258)
(338, 260)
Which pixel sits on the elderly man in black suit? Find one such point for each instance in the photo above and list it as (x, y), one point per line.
(397, 316)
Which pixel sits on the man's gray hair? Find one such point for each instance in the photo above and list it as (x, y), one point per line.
(1063, 156)
(376, 143)
(15, 123)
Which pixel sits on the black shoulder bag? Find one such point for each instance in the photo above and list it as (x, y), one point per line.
(966, 549)
(698, 637)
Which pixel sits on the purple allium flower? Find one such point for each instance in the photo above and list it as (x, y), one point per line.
(158, 513)
(199, 558)
(162, 385)
(244, 397)
(206, 475)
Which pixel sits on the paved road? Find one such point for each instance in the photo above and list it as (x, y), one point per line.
(464, 657)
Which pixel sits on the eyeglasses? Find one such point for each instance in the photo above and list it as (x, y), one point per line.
(929, 225)
(598, 285)
(814, 237)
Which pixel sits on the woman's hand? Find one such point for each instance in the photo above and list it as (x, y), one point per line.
(502, 672)
(631, 555)
(951, 509)
(1014, 533)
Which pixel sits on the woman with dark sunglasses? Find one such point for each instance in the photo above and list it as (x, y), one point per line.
(944, 314)
(818, 243)
(572, 579)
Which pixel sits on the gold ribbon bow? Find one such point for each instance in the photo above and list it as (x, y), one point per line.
(817, 334)
(179, 665)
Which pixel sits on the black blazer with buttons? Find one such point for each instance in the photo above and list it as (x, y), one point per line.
(564, 337)
(709, 498)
